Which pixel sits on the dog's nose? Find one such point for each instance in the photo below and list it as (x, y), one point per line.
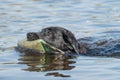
(32, 36)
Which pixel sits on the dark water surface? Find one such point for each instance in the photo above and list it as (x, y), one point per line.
(99, 19)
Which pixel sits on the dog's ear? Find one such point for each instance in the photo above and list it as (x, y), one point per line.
(70, 40)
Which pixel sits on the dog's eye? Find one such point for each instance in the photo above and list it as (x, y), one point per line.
(47, 33)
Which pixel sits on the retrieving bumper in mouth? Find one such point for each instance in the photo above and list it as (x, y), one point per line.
(39, 46)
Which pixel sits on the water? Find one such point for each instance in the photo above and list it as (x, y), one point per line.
(85, 18)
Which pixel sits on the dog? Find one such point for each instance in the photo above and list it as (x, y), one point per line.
(58, 37)
(65, 40)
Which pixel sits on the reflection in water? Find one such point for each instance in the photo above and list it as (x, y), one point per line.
(56, 74)
(43, 62)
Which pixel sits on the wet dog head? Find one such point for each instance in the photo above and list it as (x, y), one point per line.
(56, 36)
